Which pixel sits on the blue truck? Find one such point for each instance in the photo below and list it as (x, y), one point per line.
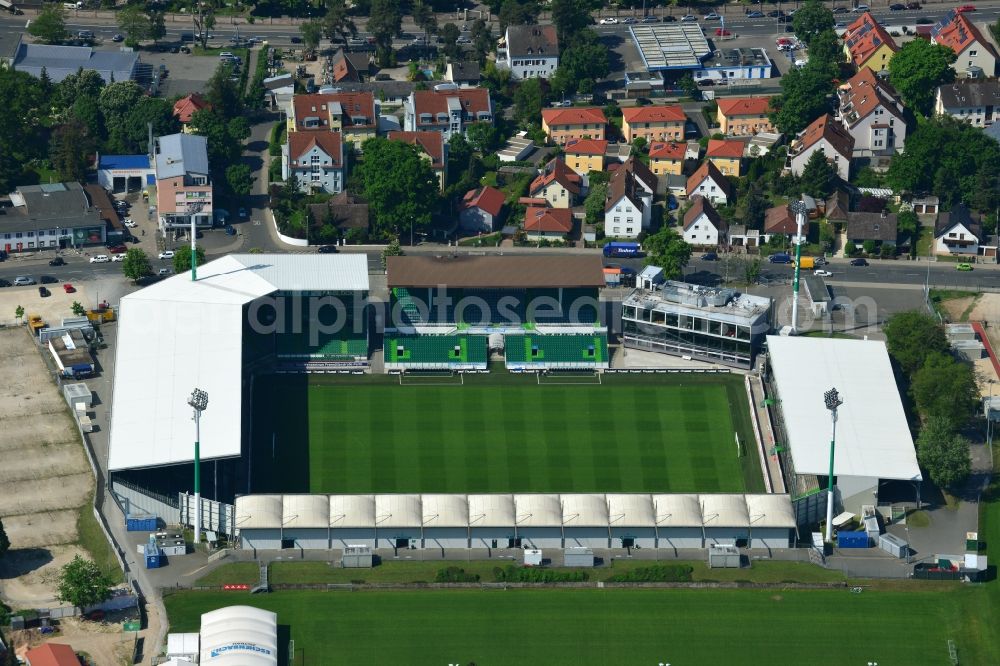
(622, 250)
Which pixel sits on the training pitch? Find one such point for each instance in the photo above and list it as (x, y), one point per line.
(502, 433)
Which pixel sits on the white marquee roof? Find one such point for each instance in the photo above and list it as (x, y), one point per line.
(537, 510)
(630, 510)
(239, 636)
(260, 511)
(873, 438)
(445, 510)
(584, 510)
(397, 510)
(491, 510)
(677, 510)
(176, 335)
(305, 511)
(724, 511)
(770, 511)
(352, 510)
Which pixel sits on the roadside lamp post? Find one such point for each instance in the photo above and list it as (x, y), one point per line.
(199, 402)
(833, 401)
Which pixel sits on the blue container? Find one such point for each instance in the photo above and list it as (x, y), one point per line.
(140, 523)
(152, 554)
(852, 539)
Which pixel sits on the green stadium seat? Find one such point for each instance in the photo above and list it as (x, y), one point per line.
(556, 349)
(438, 350)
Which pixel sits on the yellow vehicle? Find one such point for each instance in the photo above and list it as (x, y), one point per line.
(807, 263)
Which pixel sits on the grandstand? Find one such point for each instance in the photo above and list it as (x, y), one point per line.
(435, 352)
(556, 352)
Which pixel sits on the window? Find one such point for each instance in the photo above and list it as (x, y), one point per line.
(973, 54)
(618, 219)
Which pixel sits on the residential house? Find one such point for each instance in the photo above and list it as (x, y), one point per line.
(727, 155)
(563, 125)
(350, 67)
(315, 160)
(653, 123)
(480, 210)
(702, 225)
(975, 101)
(958, 232)
(827, 135)
(183, 183)
(838, 206)
(187, 106)
(877, 228)
(629, 203)
(868, 44)
(557, 184)
(872, 112)
(552, 223)
(464, 73)
(51, 654)
(347, 212)
(529, 51)
(585, 155)
(743, 116)
(432, 145)
(447, 109)
(667, 157)
(51, 215)
(780, 220)
(975, 55)
(353, 114)
(709, 182)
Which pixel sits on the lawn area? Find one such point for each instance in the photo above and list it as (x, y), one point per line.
(612, 626)
(503, 433)
(91, 538)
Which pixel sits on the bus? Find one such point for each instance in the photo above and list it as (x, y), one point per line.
(622, 250)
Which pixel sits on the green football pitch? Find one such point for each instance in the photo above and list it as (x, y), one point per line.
(502, 433)
(615, 627)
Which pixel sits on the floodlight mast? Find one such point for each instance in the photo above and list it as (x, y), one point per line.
(199, 402)
(833, 401)
(799, 208)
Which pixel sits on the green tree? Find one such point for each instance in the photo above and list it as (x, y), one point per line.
(910, 336)
(19, 312)
(203, 19)
(917, 69)
(399, 185)
(667, 250)
(50, 24)
(157, 24)
(384, 23)
(482, 40)
(4, 541)
(82, 583)
(312, 34)
(68, 150)
(943, 453)
(811, 19)
(424, 18)
(239, 178)
(690, 88)
(826, 54)
(529, 100)
(944, 388)
(805, 96)
(131, 135)
(751, 271)
(483, 137)
(182, 258)
(594, 203)
(570, 17)
(449, 35)
(136, 264)
(117, 99)
(818, 176)
(393, 249)
(337, 22)
(518, 12)
(582, 63)
(135, 23)
(225, 137)
(223, 93)
(78, 309)
(755, 208)
(84, 84)
(869, 246)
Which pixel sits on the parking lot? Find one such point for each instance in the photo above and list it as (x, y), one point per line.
(185, 73)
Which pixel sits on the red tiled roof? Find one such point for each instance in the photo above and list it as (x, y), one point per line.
(488, 199)
(744, 106)
(360, 104)
(557, 171)
(473, 101)
(559, 220)
(667, 150)
(431, 142)
(825, 127)
(706, 170)
(578, 115)
(329, 142)
(866, 91)
(779, 220)
(185, 107)
(586, 147)
(957, 31)
(864, 37)
(699, 205)
(654, 114)
(343, 70)
(52, 654)
(725, 148)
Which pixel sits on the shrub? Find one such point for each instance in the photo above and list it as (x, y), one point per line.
(514, 574)
(455, 575)
(658, 573)
(850, 249)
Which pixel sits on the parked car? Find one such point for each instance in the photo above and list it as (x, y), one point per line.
(777, 13)
(669, 19)
(24, 281)
(923, 20)
(629, 20)
(68, 288)
(861, 8)
(840, 10)
(688, 18)
(230, 231)
(100, 259)
(85, 34)
(163, 272)
(711, 16)
(58, 261)
(780, 258)
(822, 273)
(463, 40)
(755, 15)
(4, 283)
(963, 267)
(43, 292)
(118, 37)
(611, 20)
(296, 39)
(327, 249)
(706, 82)
(117, 258)
(859, 262)
(242, 212)
(117, 249)
(913, 5)
(47, 279)
(965, 8)
(722, 32)
(650, 19)
(166, 254)
(709, 256)
(130, 223)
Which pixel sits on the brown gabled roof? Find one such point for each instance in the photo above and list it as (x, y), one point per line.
(667, 150)
(838, 206)
(623, 184)
(186, 107)
(699, 205)
(654, 114)
(51, 654)
(744, 106)
(558, 220)
(329, 142)
(707, 169)
(557, 171)
(574, 115)
(343, 68)
(586, 147)
(353, 105)
(473, 101)
(865, 92)
(958, 32)
(486, 198)
(347, 211)
(780, 220)
(825, 127)
(864, 37)
(429, 141)
(642, 172)
(872, 226)
(492, 272)
(725, 148)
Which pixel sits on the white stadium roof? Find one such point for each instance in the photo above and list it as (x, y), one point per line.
(627, 510)
(176, 335)
(873, 438)
(239, 636)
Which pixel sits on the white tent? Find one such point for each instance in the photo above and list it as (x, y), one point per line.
(239, 636)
